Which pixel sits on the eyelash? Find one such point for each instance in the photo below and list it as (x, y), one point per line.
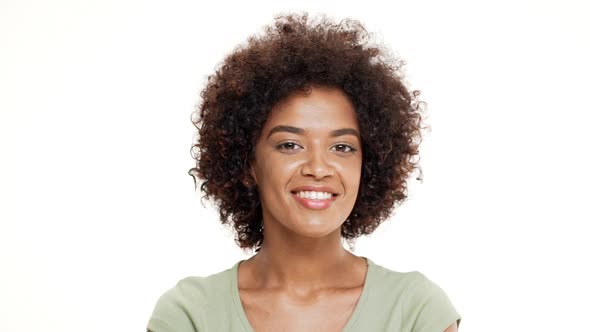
(282, 146)
(350, 148)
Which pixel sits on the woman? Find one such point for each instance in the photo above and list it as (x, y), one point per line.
(307, 136)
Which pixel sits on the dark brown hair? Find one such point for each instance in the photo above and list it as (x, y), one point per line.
(294, 54)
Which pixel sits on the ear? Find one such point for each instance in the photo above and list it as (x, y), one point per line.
(252, 172)
(249, 180)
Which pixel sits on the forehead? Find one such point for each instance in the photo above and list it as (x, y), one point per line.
(324, 109)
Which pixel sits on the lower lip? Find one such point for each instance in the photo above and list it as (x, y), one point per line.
(315, 204)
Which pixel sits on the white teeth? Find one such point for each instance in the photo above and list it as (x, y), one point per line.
(314, 195)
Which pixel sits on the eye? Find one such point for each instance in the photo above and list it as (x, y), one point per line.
(288, 146)
(344, 148)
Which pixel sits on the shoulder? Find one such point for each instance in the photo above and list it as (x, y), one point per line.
(184, 307)
(419, 303)
(426, 306)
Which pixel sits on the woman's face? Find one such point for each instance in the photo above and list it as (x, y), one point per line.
(308, 163)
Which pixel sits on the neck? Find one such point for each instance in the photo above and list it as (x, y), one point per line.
(303, 264)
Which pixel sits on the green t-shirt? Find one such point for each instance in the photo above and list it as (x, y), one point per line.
(390, 301)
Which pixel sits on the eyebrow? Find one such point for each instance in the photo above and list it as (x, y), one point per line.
(299, 131)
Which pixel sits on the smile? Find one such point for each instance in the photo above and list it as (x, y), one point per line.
(314, 200)
(314, 194)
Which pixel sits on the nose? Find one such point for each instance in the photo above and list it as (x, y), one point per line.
(317, 165)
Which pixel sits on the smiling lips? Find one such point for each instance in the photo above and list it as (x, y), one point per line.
(314, 200)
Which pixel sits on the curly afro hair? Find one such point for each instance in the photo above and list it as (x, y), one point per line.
(292, 55)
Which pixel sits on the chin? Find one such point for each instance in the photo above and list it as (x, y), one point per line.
(315, 229)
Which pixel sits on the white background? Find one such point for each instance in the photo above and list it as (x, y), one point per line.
(99, 217)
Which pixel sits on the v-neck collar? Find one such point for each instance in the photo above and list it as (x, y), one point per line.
(349, 324)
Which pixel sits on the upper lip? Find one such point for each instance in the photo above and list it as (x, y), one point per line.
(315, 188)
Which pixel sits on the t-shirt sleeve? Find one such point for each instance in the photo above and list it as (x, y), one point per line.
(427, 307)
(170, 314)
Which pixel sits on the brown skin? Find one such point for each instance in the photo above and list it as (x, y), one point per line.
(289, 56)
(452, 328)
(285, 161)
(302, 278)
(301, 268)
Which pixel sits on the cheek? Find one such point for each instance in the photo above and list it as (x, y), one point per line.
(275, 173)
(354, 182)
(351, 172)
